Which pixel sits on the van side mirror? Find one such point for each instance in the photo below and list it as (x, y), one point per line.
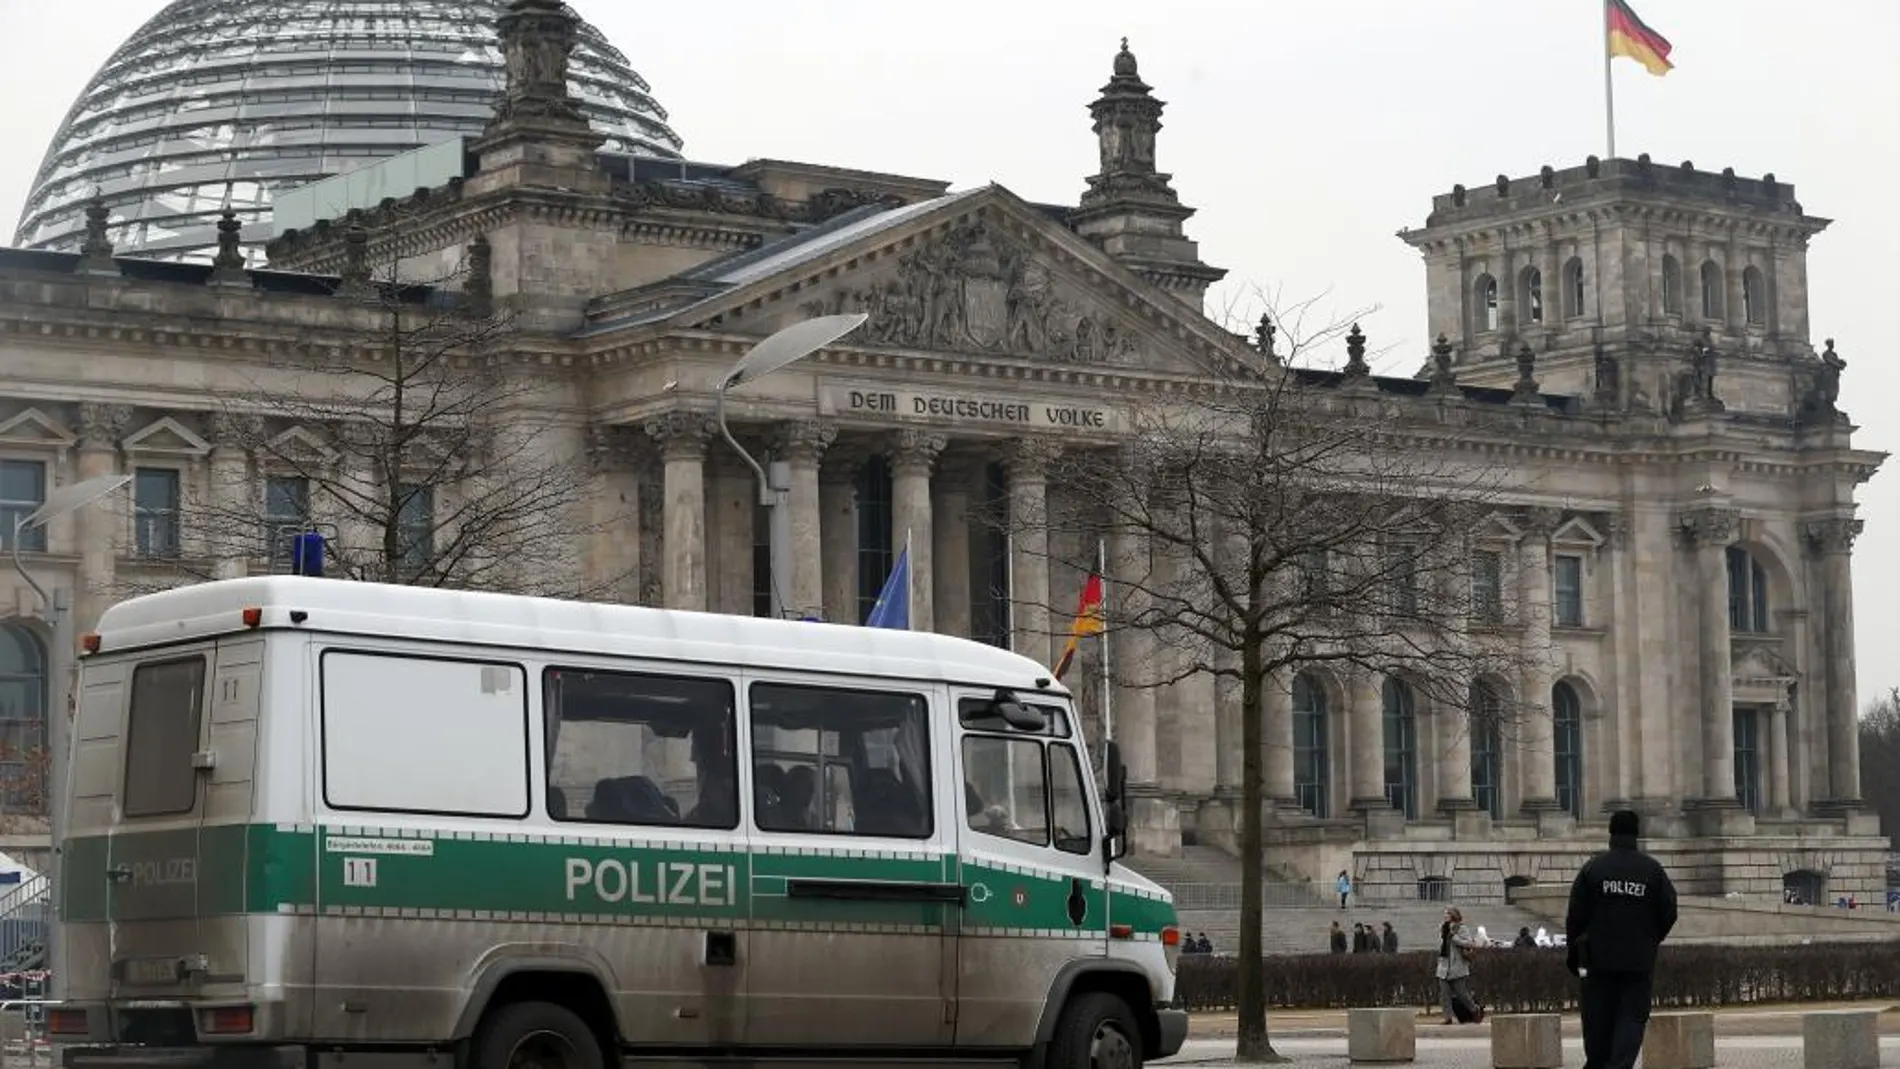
(1115, 803)
(1016, 714)
(1116, 790)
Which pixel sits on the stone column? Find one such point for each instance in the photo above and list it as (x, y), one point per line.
(230, 491)
(950, 543)
(1735, 262)
(802, 445)
(98, 525)
(1708, 532)
(1553, 271)
(913, 455)
(1027, 461)
(731, 526)
(1537, 751)
(1131, 651)
(1832, 540)
(838, 531)
(1276, 722)
(1368, 741)
(1508, 312)
(682, 437)
(1778, 757)
(1454, 728)
(612, 567)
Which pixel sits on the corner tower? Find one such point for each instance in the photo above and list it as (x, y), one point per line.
(1130, 210)
(1617, 273)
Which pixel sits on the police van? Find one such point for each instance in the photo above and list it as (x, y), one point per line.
(313, 823)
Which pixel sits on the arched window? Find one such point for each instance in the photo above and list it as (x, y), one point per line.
(1533, 295)
(1671, 286)
(1566, 715)
(1747, 593)
(22, 720)
(1486, 295)
(1486, 715)
(1311, 760)
(1754, 297)
(1711, 291)
(1401, 748)
(1573, 288)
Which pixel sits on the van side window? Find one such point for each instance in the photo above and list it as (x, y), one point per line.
(1004, 789)
(412, 734)
(1068, 805)
(979, 714)
(830, 761)
(161, 734)
(634, 748)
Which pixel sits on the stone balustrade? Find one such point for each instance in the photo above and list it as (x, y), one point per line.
(1381, 1036)
(1680, 1041)
(1840, 1039)
(1527, 1041)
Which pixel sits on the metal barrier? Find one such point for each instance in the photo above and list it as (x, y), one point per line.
(30, 1050)
(1225, 896)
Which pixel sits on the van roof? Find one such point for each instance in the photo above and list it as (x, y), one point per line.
(204, 610)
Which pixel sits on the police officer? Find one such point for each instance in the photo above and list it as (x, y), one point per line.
(1622, 907)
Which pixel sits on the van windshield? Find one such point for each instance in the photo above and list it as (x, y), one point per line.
(638, 748)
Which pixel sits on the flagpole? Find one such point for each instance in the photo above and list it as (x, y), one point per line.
(1609, 85)
(1108, 683)
(910, 580)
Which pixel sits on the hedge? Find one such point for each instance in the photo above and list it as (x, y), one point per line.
(1534, 980)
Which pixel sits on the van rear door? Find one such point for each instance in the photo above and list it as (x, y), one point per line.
(178, 853)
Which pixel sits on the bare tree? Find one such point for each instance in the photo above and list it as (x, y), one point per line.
(1285, 517)
(407, 432)
(1880, 761)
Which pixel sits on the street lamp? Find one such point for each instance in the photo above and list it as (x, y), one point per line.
(59, 667)
(787, 346)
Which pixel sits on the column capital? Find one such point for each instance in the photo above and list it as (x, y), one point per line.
(915, 451)
(1709, 525)
(804, 441)
(1830, 535)
(102, 425)
(682, 435)
(1028, 456)
(842, 459)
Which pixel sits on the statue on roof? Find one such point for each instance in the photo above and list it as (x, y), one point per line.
(1827, 384)
(1702, 367)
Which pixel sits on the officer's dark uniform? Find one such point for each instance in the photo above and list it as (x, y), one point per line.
(1622, 906)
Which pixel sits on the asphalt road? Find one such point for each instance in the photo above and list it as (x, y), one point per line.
(1731, 1052)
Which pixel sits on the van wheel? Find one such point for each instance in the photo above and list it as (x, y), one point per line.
(535, 1035)
(1096, 1031)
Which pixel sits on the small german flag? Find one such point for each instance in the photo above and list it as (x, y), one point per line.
(1630, 37)
(1088, 621)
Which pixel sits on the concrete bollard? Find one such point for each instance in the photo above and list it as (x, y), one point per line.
(1527, 1041)
(1381, 1036)
(1840, 1039)
(1680, 1041)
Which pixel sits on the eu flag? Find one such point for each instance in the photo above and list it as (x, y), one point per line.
(893, 602)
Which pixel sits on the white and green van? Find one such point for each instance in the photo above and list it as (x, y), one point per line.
(324, 824)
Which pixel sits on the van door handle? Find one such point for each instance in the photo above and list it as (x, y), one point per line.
(118, 874)
(954, 894)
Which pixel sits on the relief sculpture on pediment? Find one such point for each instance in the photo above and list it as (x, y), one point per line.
(973, 292)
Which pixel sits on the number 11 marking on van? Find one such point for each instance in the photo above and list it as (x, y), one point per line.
(359, 872)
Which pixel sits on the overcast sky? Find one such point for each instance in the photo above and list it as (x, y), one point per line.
(1307, 133)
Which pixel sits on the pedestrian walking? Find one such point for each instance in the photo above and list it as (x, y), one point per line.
(1337, 939)
(1454, 970)
(1622, 906)
(1344, 886)
(1390, 939)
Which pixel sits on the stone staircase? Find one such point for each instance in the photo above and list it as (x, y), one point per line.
(1206, 884)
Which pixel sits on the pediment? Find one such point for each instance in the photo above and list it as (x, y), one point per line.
(35, 428)
(1577, 531)
(299, 445)
(1497, 527)
(1761, 663)
(975, 274)
(167, 437)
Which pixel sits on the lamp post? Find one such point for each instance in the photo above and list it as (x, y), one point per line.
(59, 668)
(783, 347)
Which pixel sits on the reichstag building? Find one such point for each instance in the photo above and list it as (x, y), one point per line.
(1629, 339)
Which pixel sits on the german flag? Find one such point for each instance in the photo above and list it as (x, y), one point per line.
(1088, 621)
(1630, 37)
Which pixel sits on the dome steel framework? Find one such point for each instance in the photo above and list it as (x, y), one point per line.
(217, 104)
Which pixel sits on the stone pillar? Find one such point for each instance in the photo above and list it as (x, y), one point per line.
(1779, 764)
(1832, 540)
(230, 490)
(1454, 728)
(802, 444)
(100, 428)
(950, 543)
(1553, 271)
(1508, 312)
(1735, 262)
(1131, 651)
(1027, 461)
(682, 437)
(612, 568)
(1708, 532)
(838, 532)
(1368, 741)
(1537, 751)
(731, 526)
(913, 455)
(1276, 722)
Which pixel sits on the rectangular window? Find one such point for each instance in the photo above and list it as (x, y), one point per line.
(1487, 587)
(635, 748)
(1748, 759)
(1401, 574)
(979, 714)
(1004, 788)
(405, 734)
(1568, 576)
(415, 528)
(155, 501)
(875, 554)
(22, 492)
(286, 515)
(161, 734)
(989, 562)
(1314, 578)
(832, 761)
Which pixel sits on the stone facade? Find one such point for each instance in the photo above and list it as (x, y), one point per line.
(1675, 540)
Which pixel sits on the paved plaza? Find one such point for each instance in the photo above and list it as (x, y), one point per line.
(1472, 1052)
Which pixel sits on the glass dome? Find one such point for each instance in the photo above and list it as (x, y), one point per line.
(223, 103)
